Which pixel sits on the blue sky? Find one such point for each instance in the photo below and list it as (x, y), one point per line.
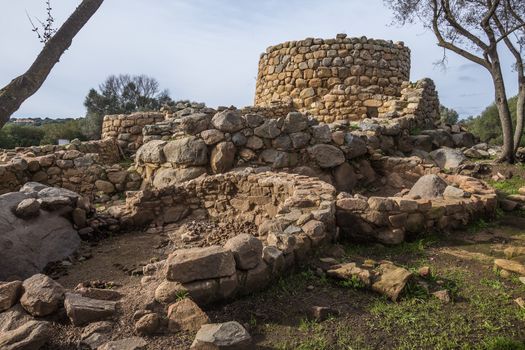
(208, 50)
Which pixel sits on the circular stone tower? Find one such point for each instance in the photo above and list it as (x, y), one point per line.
(333, 79)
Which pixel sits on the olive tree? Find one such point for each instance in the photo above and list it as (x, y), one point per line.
(474, 29)
(25, 85)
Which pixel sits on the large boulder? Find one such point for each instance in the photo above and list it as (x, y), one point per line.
(428, 186)
(27, 246)
(187, 151)
(294, 122)
(42, 296)
(326, 156)
(186, 265)
(218, 336)
(448, 158)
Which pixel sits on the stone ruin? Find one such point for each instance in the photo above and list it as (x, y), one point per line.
(339, 146)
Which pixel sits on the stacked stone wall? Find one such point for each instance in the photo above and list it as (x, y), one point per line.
(107, 150)
(334, 79)
(294, 214)
(127, 128)
(85, 173)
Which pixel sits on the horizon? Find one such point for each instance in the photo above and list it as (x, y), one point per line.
(206, 52)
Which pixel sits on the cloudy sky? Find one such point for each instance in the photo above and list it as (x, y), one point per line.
(207, 50)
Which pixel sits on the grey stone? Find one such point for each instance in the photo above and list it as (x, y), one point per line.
(300, 139)
(448, 158)
(151, 152)
(321, 133)
(229, 335)
(228, 121)
(212, 136)
(194, 123)
(356, 146)
(27, 246)
(294, 122)
(186, 151)
(28, 208)
(428, 186)
(454, 192)
(81, 310)
(268, 129)
(326, 156)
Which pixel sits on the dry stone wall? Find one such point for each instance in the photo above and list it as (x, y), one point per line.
(107, 150)
(127, 128)
(334, 79)
(294, 214)
(68, 167)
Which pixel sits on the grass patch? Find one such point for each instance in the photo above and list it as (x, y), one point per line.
(509, 186)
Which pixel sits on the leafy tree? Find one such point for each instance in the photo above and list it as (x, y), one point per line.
(122, 94)
(474, 29)
(25, 85)
(13, 135)
(448, 115)
(487, 127)
(69, 130)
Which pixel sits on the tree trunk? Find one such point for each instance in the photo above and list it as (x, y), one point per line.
(507, 154)
(520, 110)
(24, 86)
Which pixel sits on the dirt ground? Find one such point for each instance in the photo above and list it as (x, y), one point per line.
(482, 315)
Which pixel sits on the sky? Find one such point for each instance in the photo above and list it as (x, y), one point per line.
(208, 50)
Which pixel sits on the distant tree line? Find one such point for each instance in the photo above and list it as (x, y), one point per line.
(120, 94)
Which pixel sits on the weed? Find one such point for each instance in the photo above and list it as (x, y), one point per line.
(353, 282)
(508, 186)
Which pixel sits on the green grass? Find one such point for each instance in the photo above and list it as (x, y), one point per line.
(502, 343)
(509, 186)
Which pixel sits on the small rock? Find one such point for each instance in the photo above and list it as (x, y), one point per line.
(321, 313)
(229, 335)
(147, 324)
(424, 271)
(442, 295)
(133, 343)
(186, 315)
(520, 302)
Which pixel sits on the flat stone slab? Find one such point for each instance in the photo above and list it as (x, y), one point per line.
(229, 335)
(81, 310)
(187, 265)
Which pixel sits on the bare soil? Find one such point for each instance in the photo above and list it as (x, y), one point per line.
(482, 314)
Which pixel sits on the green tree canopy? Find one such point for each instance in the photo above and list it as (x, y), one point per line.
(122, 94)
(487, 125)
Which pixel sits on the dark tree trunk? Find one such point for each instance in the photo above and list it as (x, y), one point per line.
(520, 110)
(507, 154)
(24, 86)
